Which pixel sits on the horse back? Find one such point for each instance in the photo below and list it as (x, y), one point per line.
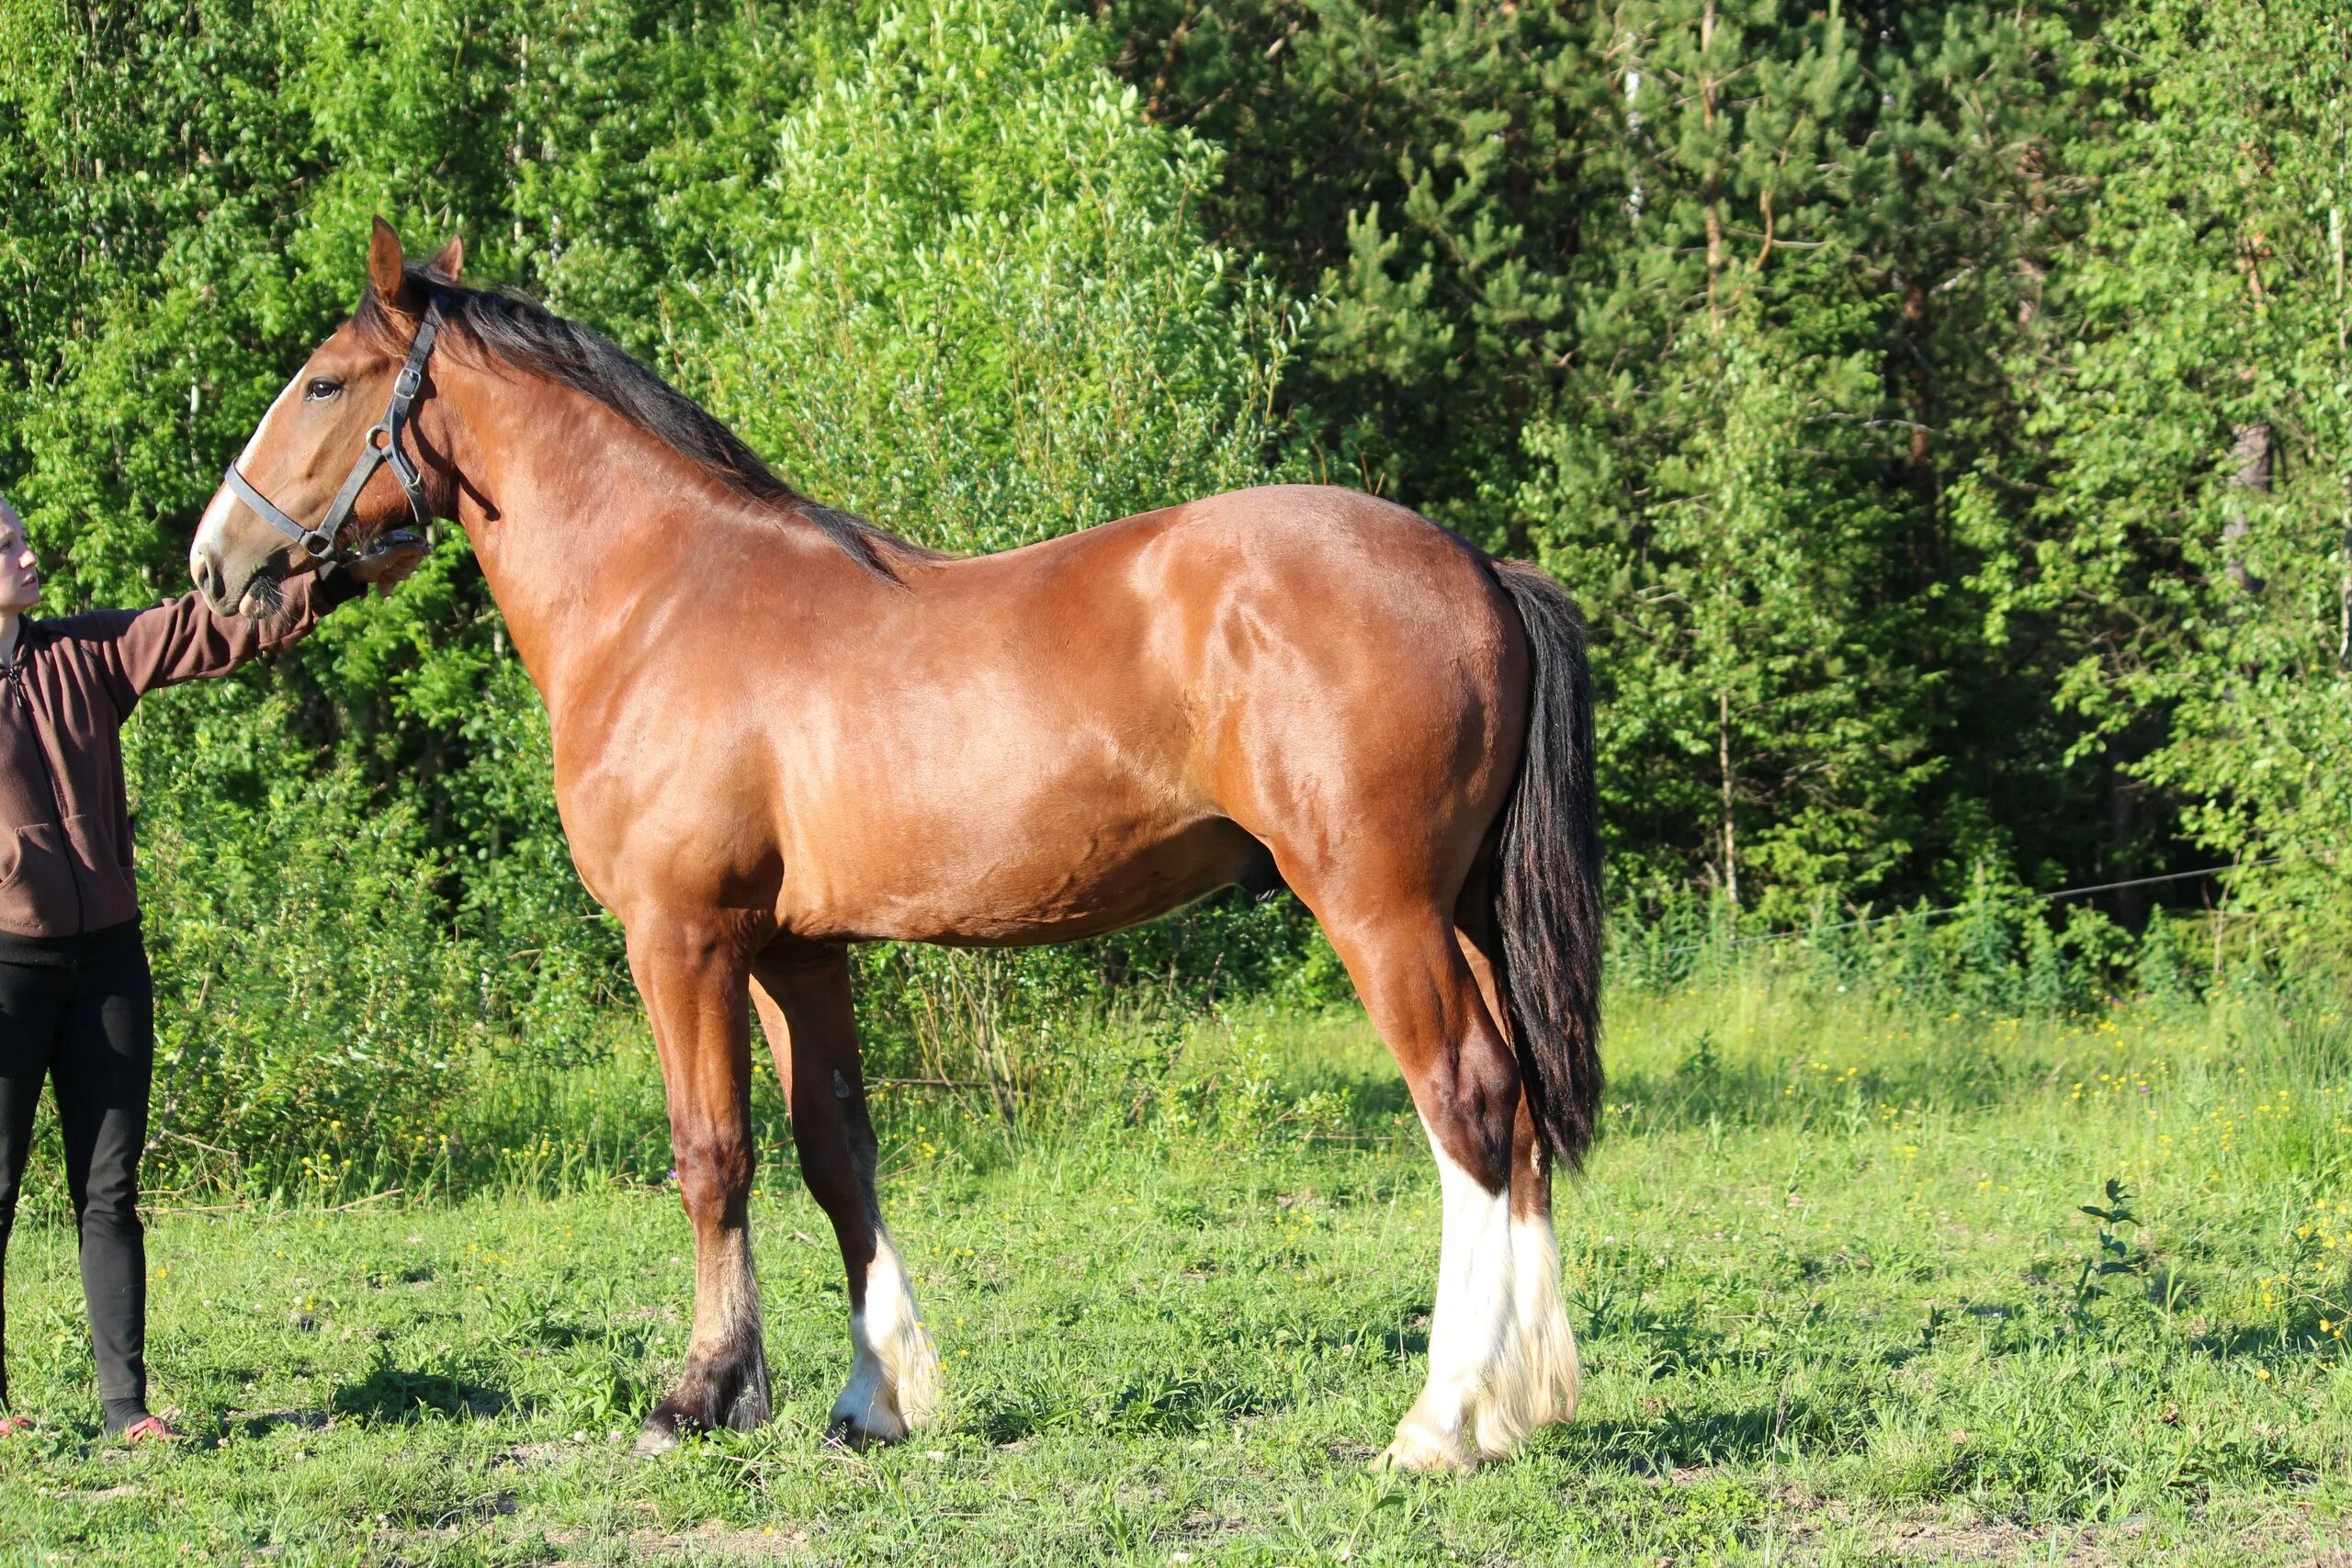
(1076, 735)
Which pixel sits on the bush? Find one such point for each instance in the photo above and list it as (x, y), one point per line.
(970, 299)
(317, 1018)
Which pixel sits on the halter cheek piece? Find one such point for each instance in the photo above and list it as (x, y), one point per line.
(380, 446)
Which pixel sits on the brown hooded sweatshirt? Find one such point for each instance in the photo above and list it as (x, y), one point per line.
(64, 819)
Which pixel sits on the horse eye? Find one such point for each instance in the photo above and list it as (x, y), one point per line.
(320, 390)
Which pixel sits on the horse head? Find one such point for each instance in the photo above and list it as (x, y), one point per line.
(308, 485)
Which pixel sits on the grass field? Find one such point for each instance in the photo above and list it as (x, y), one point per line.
(1828, 1268)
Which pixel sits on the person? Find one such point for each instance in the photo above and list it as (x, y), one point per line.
(75, 1003)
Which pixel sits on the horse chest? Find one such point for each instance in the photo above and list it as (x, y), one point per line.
(695, 835)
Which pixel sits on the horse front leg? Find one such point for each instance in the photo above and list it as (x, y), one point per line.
(804, 1002)
(694, 982)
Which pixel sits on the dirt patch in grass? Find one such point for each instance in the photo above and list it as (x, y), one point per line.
(2283, 1537)
(772, 1543)
(1942, 1540)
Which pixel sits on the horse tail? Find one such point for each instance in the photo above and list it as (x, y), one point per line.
(1547, 887)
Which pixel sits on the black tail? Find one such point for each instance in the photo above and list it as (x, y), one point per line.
(1547, 892)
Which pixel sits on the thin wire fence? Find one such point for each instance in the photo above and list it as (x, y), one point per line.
(2016, 898)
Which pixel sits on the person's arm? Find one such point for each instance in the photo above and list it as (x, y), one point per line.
(186, 639)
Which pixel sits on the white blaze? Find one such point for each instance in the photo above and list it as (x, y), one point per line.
(216, 510)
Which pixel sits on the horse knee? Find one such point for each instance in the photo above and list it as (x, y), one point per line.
(714, 1174)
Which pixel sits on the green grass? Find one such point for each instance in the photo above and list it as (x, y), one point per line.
(1827, 1269)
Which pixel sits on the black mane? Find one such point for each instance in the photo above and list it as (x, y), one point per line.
(517, 331)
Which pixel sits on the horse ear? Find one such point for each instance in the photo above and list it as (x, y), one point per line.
(452, 259)
(384, 274)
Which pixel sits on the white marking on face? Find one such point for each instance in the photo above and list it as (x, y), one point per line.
(252, 442)
(216, 510)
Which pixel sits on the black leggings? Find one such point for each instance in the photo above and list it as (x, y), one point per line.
(87, 1021)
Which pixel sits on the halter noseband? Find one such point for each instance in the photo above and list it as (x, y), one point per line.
(380, 446)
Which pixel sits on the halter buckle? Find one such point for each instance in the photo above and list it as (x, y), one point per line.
(320, 543)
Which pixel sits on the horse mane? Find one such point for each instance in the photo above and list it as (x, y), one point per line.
(516, 330)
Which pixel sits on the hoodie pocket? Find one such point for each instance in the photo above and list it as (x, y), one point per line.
(110, 890)
(37, 896)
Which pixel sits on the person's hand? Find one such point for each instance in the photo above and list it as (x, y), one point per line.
(392, 558)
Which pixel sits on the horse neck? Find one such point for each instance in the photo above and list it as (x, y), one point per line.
(597, 537)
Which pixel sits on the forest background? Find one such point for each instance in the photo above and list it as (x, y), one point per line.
(1940, 410)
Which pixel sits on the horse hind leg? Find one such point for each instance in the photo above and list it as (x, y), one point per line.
(805, 1007)
(1550, 1376)
(693, 994)
(1502, 1360)
(1544, 1344)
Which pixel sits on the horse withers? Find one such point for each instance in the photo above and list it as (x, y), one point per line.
(779, 730)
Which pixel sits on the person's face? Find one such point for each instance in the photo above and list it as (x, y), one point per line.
(19, 567)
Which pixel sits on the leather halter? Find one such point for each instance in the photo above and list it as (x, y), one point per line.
(380, 446)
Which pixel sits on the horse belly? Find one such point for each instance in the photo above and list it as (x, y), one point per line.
(1020, 896)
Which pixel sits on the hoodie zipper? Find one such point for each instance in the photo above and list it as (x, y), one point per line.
(15, 670)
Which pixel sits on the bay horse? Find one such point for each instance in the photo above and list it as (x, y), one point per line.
(779, 730)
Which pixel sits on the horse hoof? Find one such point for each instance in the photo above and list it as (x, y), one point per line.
(1420, 1460)
(848, 1432)
(1424, 1450)
(664, 1431)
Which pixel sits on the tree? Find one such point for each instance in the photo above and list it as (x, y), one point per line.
(2180, 548)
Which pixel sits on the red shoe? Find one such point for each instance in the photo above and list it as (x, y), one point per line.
(11, 1426)
(152, 1430)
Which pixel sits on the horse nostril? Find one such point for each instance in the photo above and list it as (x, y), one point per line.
(208, 579)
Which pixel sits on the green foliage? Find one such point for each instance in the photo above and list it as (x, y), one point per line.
(967, 297)
(314, 1011)
(2176, 543)
(1432, 172)
(2115, 1266)
(1882, 378)
(1722, 566)
(2004, 953)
